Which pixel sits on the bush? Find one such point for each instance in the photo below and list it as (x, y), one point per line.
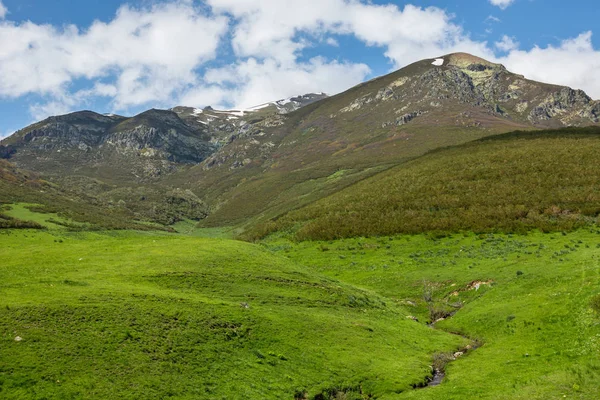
(485, 187)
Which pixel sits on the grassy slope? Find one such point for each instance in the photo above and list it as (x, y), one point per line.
(154, 315)
(540, 334)
(132, 315)
(546, 180)
(20, 186)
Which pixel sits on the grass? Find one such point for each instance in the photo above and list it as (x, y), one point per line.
(132, 315)
(509, 183)
(24, 187)
(190, 228)
(535, 312)
(23, 212)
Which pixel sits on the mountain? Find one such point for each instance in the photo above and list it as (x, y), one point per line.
(256, 164)
(224, 126)
(111, 147)
(286, 163)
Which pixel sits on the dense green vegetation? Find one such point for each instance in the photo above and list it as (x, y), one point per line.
(95, 205)
(128, 315)
(536, 311)
(8, 222)
(509, 183)
(132, 315)
(19, 186)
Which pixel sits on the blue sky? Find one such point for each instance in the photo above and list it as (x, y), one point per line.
(125, 57)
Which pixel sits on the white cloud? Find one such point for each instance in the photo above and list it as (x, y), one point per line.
(491, 18)
(257, 82)
(148, 54)
(573, 63)
(507, 44)
(503, 4)
(269, 28)
(332, 42)
(3, 10)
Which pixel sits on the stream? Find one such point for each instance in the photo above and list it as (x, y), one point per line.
(439, 371)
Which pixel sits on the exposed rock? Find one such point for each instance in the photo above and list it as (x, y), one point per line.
(522, 106)
(592, 112)
(406, 118)
(561, 102)
(7, 151)
(357, 104)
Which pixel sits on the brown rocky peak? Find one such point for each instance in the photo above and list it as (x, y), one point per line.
(469, 61)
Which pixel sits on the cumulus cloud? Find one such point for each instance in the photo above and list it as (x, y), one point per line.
(507, 44)
(147, 54)
(503, 4)
(3, 10)
(269, 28)
(574, 62)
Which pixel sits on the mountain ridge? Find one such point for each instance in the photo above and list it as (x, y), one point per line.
(261, 162)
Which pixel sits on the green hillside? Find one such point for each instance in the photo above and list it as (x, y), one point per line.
(545, 180)
(531, 301)
(132, 316)
(74, 211)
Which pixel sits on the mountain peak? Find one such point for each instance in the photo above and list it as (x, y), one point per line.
(467, 61)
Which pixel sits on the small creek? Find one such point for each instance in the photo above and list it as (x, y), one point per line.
(439, 367)
(438, 377)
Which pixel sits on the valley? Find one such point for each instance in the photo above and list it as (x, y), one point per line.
(135, 314)
(429, 234)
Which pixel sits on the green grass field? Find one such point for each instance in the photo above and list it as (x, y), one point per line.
(156, 315)
(536, 312)
(139, 315)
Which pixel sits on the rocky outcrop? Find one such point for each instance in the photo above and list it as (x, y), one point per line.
(159, 134)
(463, 81)
(7, 151)
(592, 112)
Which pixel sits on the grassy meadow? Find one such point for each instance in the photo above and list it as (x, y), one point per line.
(532, 301)
(156, 315)
(139, 315)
